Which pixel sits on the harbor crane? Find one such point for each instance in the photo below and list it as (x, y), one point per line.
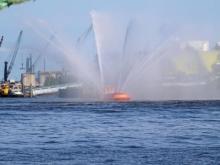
(30, 67)
(7, 70)
(8, 3)
(1, 41)
(84, 36)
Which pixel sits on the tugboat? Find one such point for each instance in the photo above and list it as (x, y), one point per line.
(4, 91)
(121, 97)
(16, 90)
(11, 89)
(110, 94)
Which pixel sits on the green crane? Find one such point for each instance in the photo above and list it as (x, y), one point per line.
(8, 3)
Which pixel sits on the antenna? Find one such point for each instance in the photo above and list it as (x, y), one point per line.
(22, 62)
(44, 64)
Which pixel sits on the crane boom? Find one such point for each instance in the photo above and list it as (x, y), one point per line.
(1, 41)
(42, 53)
(84, 35)
(15, 52)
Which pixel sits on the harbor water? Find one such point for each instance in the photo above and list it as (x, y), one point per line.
(63, 131)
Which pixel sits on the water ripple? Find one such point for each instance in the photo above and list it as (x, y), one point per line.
(59, 131)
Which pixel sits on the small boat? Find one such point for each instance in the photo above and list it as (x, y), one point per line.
(11, 89)
(118, 97)
(16, 94)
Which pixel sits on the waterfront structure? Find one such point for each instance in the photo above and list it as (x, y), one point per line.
(49, 78)
(197, 45)
(28, 79)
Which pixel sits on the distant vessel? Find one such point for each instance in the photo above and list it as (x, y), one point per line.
(117, 96)
(112, 94)
(121, 97)
(11, 89)
(70, 92)
(16, 90)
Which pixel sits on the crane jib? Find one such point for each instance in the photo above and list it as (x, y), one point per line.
(15, 52)
(1, 41)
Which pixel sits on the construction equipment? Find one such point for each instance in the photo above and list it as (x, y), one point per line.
(8, 3)
(84, 36)
(7, 70)
(1, 41)
(30, 66)
(4, 92)
(10, 88)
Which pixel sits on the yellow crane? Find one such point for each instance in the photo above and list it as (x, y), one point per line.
(5, 86)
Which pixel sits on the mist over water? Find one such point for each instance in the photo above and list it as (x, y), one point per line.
(151, 59)
(148, 57)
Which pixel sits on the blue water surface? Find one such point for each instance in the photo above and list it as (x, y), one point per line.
(61, 131)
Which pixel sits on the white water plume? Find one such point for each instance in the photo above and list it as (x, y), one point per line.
(140, 56)
(76, 62)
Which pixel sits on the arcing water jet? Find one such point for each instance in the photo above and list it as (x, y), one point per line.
(133, 59)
